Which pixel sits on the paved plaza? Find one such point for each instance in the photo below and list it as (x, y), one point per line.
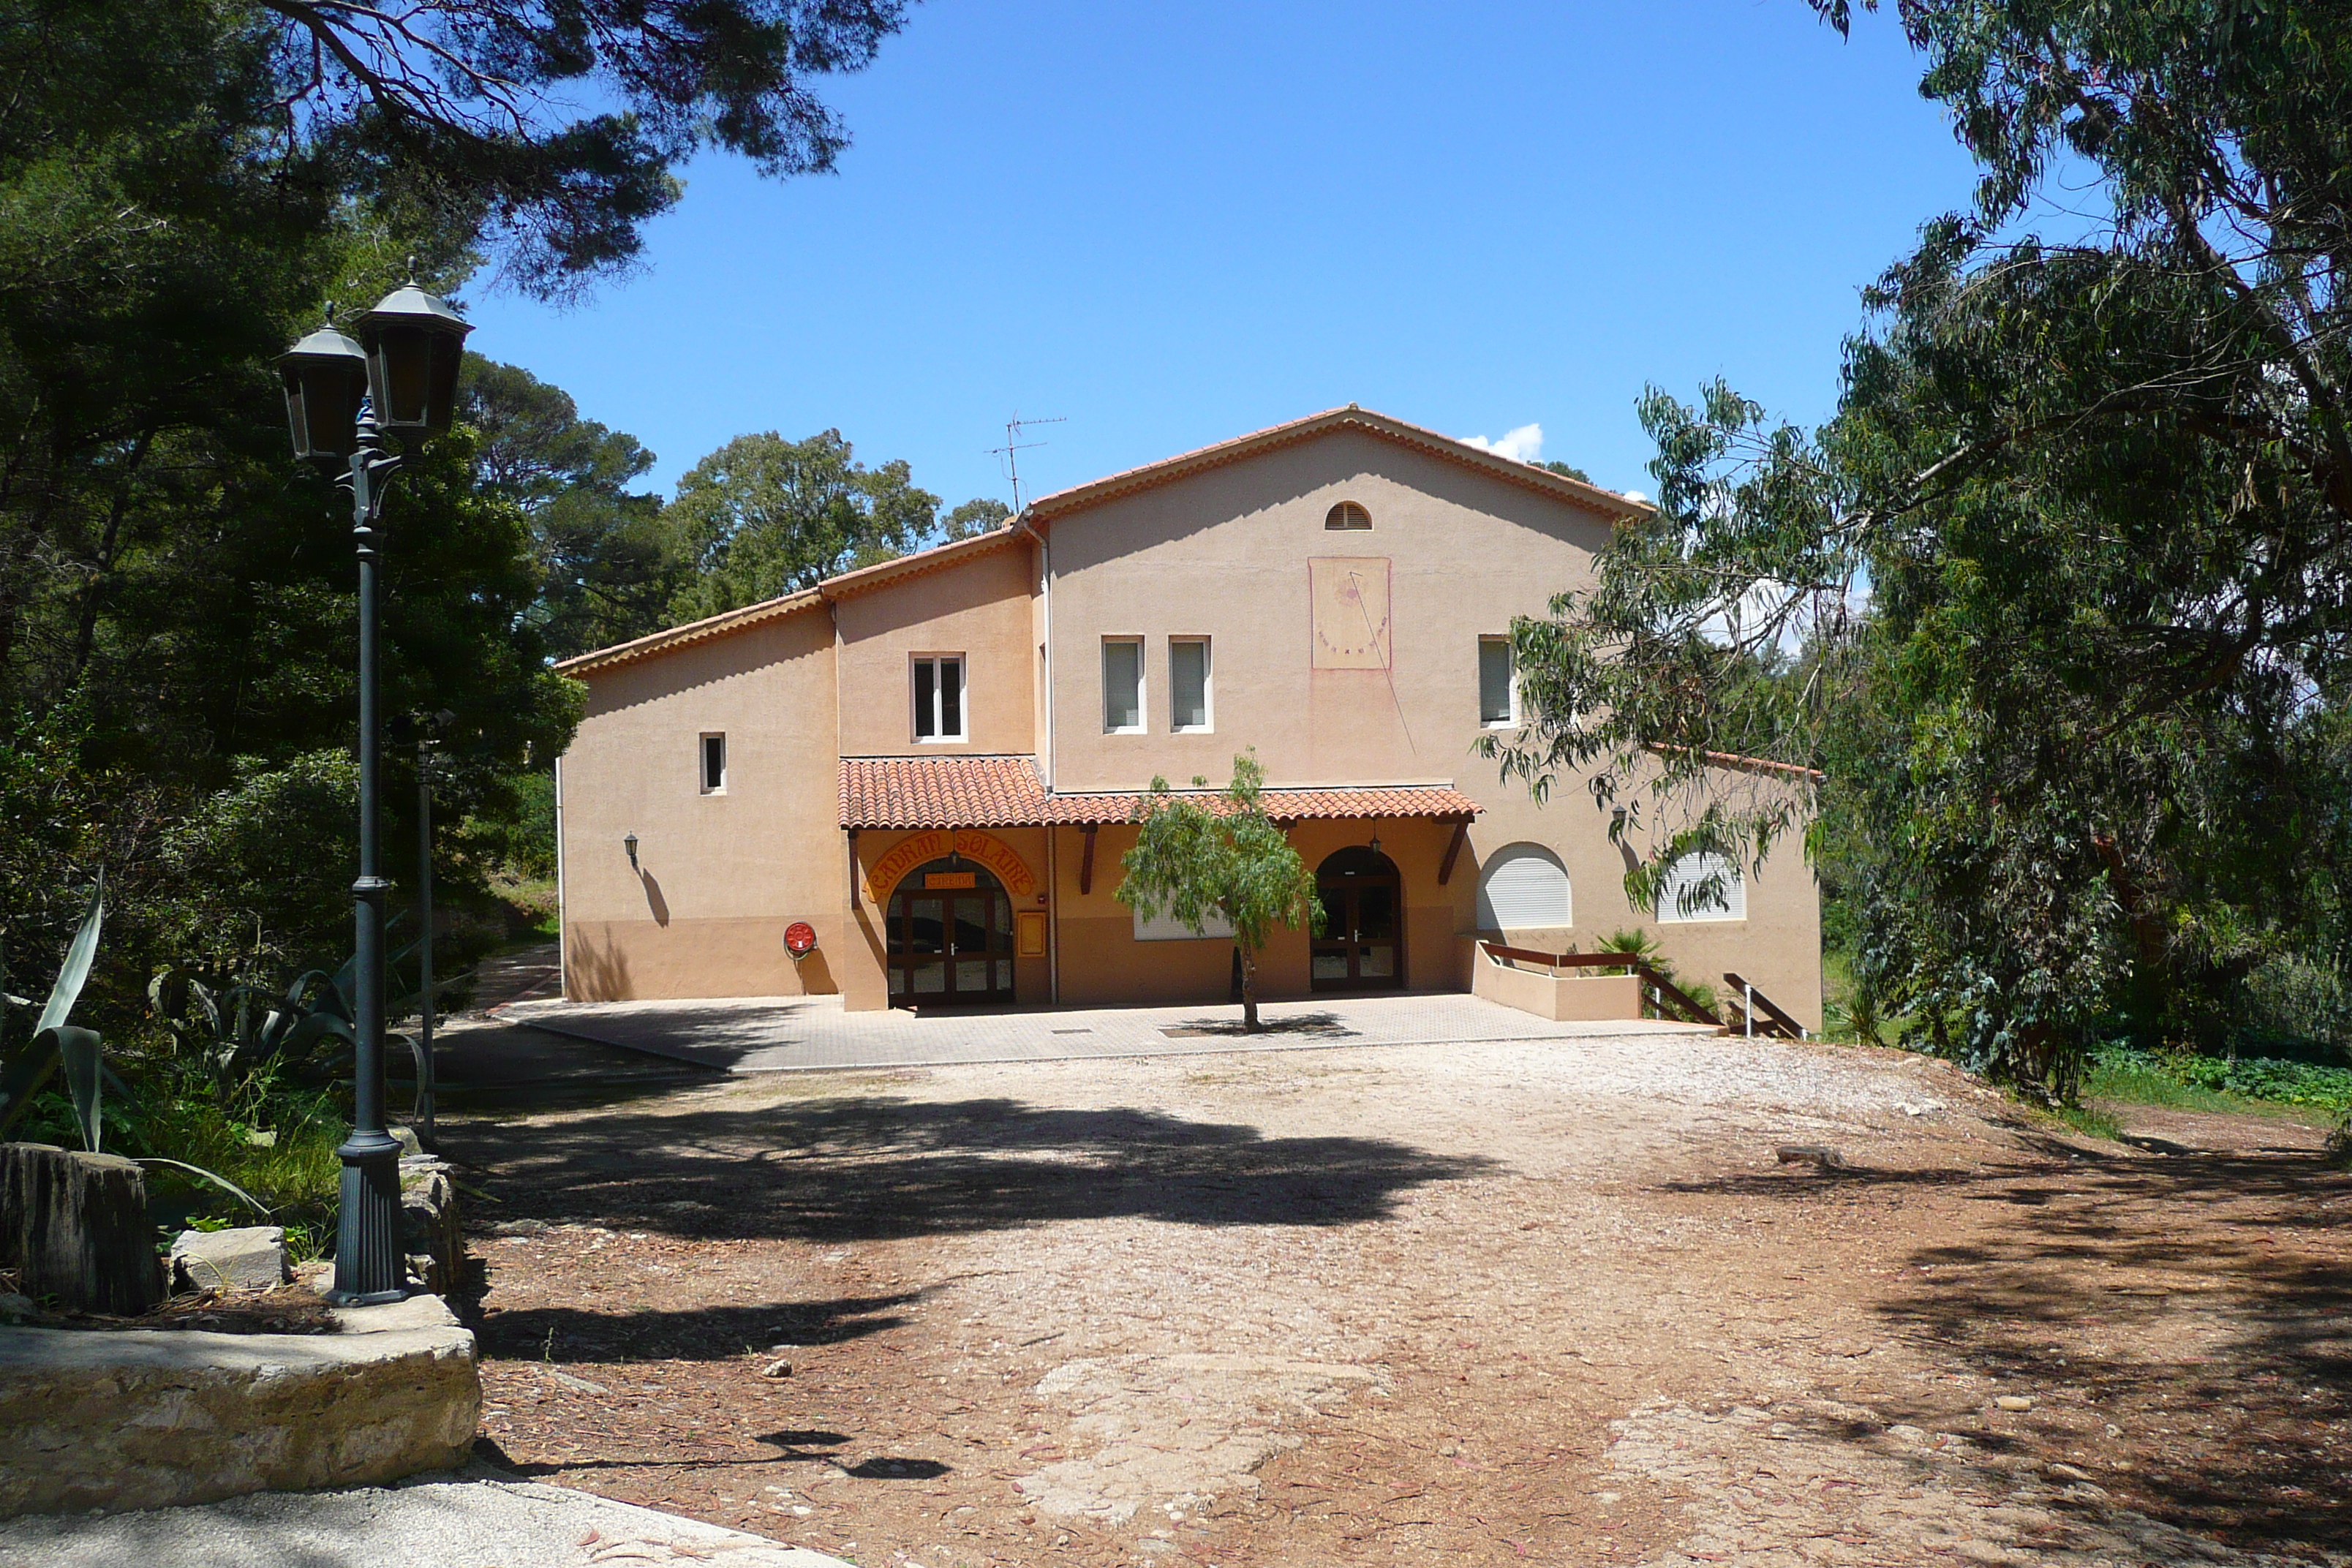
(788, 1034)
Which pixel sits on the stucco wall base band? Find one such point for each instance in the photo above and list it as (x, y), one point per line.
(143, 1419)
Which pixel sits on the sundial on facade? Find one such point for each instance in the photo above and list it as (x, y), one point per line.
(1351, 598)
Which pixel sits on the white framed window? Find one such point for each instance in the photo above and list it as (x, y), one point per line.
(714, 762)
(1703, 887)
(1499, 695)
(1188, 685)
(938, 696)
(1524, 887)
(1122, 666)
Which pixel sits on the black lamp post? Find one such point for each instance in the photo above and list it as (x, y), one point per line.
(405, 363)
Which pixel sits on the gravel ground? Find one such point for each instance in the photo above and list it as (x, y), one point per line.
(1525, 1302)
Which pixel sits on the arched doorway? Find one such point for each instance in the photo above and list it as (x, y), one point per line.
(949, 929)
(1362, 944)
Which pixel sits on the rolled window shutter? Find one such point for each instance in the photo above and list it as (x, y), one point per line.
(1524, 887)
(1677, 902)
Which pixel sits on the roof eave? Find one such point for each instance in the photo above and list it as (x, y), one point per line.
(1168, 470)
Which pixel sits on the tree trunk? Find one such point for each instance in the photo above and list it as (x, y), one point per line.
(75, 1226)
(1249, 992)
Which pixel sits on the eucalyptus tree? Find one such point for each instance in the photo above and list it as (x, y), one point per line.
(2058, 598)
(1221, 859)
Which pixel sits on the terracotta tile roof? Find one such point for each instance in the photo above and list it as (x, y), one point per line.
(1006, 792)
(862, 580)
(941, 792)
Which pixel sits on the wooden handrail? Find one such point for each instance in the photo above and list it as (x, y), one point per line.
(1666, 989)
(1783, 1025)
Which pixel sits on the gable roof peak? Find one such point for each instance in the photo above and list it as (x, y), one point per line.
(1354, 416)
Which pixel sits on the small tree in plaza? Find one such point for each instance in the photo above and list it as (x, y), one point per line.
(1220, 857)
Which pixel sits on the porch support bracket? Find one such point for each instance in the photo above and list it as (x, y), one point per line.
(1086, 862)
(1453, 852)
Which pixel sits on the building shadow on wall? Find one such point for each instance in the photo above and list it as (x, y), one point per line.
(875, 1168)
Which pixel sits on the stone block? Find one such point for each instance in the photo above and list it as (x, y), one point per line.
(250, 1258)
(431, 1232)
(139, 1419)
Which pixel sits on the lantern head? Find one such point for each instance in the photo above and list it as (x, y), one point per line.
(326, 376)
(413, 342)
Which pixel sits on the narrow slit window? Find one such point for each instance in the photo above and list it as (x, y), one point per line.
(1498, 703)
(1188, 683)
(939, 697)
(1123, 686)
(714, 764)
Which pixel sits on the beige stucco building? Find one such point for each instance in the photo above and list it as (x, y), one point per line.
(934, 764)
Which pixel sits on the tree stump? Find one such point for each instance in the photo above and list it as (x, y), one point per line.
(75, 1226)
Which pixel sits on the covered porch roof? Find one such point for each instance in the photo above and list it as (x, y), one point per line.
(883, 792)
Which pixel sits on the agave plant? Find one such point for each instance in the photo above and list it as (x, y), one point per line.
(27, 1069)
(240, 1029)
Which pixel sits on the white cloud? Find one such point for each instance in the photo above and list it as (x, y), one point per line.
(1637, 495)
(1524, 444)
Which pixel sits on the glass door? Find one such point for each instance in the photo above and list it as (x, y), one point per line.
(918, 938)
(1361, 942)
(981, 948)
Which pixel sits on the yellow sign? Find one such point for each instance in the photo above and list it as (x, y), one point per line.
(983, 849)
(951, 880)
(1351, 598)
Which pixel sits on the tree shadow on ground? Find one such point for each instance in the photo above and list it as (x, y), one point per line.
(2182, 1316)
(1321, 1024)
(556, 1335)
(877, 1167)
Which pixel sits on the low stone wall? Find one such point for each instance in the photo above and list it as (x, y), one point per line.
(138, 1418)
(1572, 996)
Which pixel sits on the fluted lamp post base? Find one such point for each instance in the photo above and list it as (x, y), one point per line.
(370, 1267)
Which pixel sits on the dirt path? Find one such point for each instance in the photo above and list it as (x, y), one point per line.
(1548, 1302)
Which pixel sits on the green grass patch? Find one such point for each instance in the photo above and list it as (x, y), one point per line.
(277, 1144)
(2086, 1119)
(2258, 1086)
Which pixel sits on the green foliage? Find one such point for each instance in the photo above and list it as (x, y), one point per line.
(608, 567)
(977, 516)
(520, 845)
(32, 1051)
(554, 128)
(1221, 859)
(2089, 1120)
(270, 1146)
(762, 517)
(2191, 1083)
(2059, 600)
(1643, 948)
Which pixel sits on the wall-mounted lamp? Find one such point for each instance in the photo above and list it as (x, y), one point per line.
(1376, 841)
(630, 844)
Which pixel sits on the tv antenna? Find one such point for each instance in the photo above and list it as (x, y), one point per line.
(1008, 455)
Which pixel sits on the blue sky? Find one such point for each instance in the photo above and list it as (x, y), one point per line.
(1173, 223)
